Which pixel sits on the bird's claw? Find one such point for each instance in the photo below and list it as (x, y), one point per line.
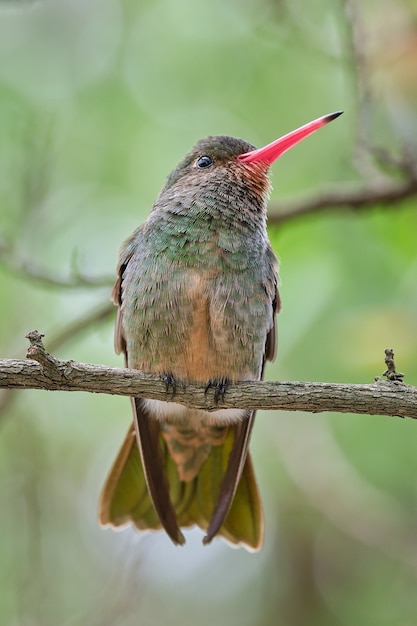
(170, 383)
(220, 387)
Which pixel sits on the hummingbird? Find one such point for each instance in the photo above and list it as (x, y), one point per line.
(197, 297)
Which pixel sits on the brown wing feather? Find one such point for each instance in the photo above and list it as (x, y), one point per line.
(240, 448)
(232, 476)
(271, 344)
(147, 431)
(147, 436)
(116, 296)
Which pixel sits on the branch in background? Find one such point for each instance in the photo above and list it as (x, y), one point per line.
(383, 194)
(27, 270)
(44, 371)
(97, 315)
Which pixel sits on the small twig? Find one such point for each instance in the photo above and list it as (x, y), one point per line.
(51, 367)
(391, 373)
(47, 372)
(71, 330)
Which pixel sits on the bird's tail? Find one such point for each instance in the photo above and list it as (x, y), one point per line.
(125, 498)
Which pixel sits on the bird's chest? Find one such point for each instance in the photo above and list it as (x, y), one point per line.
(198, 324)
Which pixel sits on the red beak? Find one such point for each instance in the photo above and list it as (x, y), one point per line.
(273, 150)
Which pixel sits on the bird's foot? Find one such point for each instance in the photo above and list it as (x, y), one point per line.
(170, 383)
(220, 387)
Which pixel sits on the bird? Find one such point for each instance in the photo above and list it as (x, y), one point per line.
(197, 297)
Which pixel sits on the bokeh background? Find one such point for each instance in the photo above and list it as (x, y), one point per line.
(99, 100)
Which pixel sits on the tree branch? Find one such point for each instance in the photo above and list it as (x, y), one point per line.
(43, 371)
(384, 193)
(27, 270)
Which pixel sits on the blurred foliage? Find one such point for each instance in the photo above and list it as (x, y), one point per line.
(98, 101)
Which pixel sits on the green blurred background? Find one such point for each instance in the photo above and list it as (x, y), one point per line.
(99, 99)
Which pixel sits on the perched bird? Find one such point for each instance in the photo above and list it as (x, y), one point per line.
(197, 298)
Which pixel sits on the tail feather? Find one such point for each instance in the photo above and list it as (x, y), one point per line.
(125, 498)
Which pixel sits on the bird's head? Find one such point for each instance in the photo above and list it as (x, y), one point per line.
(224, 170)
(213, 159)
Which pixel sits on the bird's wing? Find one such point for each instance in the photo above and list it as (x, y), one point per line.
(232, 476)
(271, 344)
(242, 432)
(147, 435)
(147, 429)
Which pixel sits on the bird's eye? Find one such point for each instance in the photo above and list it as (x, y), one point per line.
(204, 161)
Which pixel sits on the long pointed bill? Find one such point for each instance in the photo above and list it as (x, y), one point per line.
(273, 150)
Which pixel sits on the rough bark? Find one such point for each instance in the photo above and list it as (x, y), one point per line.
(43, 371)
